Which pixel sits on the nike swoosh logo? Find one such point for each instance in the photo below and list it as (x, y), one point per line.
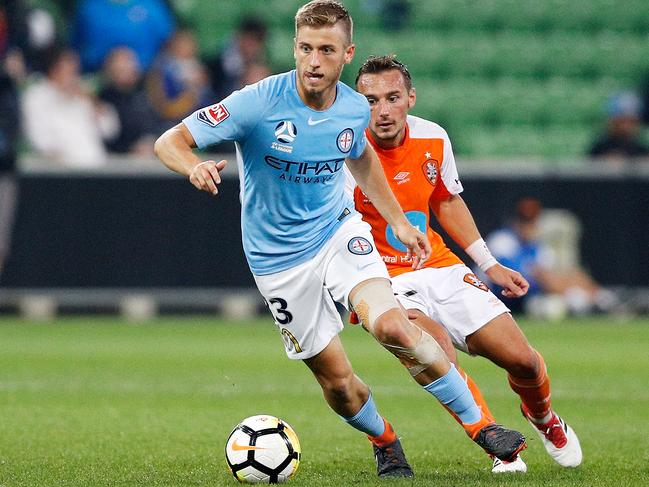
(316, 122)
(237, 447)
(363, 266)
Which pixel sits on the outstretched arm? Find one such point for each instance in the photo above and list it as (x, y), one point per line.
(175, 150)
(456, 219)
(369, 175)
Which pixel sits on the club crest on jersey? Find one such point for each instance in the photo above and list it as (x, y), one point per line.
(359, 246)
(345, 140)
(213, 115)
(474, 281)
(430, 171)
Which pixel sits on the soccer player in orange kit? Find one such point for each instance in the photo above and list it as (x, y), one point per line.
(418, 161)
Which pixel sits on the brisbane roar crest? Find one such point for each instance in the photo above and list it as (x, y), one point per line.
(475, 282)
(430, 170)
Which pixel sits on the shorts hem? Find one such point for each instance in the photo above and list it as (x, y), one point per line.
(491, 317)
(311, 353)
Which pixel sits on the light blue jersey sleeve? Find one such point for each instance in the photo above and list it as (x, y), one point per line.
(231, 119)
(361, 141)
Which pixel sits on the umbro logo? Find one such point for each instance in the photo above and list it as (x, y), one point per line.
(316, 122)
(402, 177)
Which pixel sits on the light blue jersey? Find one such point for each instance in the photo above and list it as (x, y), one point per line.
(290, 160)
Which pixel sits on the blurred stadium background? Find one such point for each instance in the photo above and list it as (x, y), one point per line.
(520, 86)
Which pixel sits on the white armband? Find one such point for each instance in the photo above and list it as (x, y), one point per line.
(481, 255)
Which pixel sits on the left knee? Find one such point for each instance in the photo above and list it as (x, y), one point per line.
(392, 328)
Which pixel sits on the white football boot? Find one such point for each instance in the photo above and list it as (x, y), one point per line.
(501, 466)
(559, 440)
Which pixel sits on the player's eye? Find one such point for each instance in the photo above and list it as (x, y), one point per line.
(393, 98)
(328, 50)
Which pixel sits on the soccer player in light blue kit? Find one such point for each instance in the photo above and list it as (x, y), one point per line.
(306, 245)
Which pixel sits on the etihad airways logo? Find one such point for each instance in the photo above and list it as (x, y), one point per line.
(305, 172)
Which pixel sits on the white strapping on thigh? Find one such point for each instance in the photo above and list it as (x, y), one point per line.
(372, 299)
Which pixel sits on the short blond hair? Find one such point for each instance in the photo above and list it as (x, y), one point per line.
(320, 13)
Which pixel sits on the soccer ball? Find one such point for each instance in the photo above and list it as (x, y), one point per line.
(263, 449)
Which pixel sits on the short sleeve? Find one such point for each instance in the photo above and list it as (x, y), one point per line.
(360, 139)
(449, 182)
(449, 174)
(231, 119)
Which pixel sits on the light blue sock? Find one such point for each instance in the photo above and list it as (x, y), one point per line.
(368, 420)
(453, 392)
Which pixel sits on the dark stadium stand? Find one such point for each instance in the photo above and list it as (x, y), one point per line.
(506, 77)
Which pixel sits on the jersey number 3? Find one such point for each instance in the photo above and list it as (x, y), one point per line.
(277, 307)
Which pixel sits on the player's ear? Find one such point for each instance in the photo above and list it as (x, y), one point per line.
(349, 53)
(412, 98)
(295, 48)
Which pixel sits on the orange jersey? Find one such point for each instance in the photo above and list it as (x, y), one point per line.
(420, 170)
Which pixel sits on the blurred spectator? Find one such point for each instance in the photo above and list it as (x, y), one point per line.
(246, 48)
(101, 25)
(63, 120)
(37, 26)
(45, 30)
(138, 121)
(621, 140)
(9, 133)
(255, 72)
(520, 246)
(13, 39)
(178, 83)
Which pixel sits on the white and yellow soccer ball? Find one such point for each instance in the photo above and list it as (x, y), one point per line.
(263, 449)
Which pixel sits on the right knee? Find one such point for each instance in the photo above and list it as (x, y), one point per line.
(527, 365)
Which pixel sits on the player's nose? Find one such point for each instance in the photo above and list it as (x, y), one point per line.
(384, 108)
(314, 59)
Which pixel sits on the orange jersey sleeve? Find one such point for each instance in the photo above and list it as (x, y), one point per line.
(416, 173)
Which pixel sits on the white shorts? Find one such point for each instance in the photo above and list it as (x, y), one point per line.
(302, 298)
(453, 296)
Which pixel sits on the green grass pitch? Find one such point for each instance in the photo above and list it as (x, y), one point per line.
(98, 402)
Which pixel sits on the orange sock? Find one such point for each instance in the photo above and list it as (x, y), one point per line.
(534, 393)
(388, 436)
(486, 419)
